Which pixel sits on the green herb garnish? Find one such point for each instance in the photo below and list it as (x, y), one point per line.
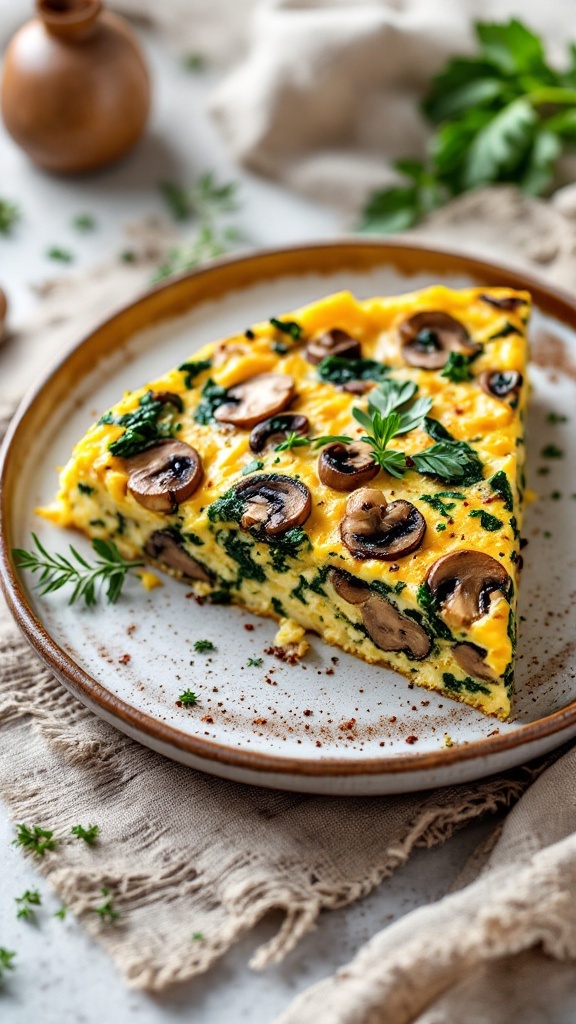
(26, 904)
(61, 913)
(85, 489)
(106, 911)
(339, 370)
(84, 222)
(452, 683)
(198, 937)
(204, 645)
(551, 451)
(555, 417)
(503, 115)
(500, 485)
(289, 327)
(187, 699)
(57, 571)
(34, 838)
(6, 958)
(487, 521)
(195, 62)
(212, 395)
(89, 834)
(59, 254)
(253, 467)
(152, 421)
(9, 216)
(254, 662)
(292, 440)
(457, 369)
(443, 507)
(192, 369)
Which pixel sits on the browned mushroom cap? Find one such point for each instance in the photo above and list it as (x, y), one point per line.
(373, 529)
(508, 302)
(332, 343)
(429, 337)
(164, 476)
(388, 628)
(462, 582)
(169, 398)
(261, 396)
(470, 657)
(349, 587)
(276, 429)
(164, 547)
(273, 504)
(347, 466)
(500, 383)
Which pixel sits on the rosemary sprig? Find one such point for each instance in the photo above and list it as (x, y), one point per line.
(56, 571)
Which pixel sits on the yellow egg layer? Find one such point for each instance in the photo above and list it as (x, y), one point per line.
(297, 586)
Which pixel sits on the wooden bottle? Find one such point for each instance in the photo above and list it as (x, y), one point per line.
(75, 91)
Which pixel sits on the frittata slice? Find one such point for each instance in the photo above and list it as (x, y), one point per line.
(352, 468)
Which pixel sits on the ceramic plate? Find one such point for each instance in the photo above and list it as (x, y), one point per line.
(331, 724)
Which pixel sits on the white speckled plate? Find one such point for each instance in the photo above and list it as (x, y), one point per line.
(281, 725)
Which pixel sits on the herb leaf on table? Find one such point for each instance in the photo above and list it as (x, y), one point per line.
(503, 115)
(56, 571)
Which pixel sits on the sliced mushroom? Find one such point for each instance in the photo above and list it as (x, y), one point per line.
(256, 399)
(169, 398)
(165, 475)
(273, 504)
(392, 631)
(373, 529)
(347, 466)
(429, 337)
(332, 343)
(358, 387)
(470, 657)
(349, 587)
(164, 547)
(508, 302)
(462, 583)
(500, 383)
(276, 429)
(388, 628)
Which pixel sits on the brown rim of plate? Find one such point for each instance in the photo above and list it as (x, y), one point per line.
(171, 299)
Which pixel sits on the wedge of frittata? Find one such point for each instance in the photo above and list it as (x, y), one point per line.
(351, 468)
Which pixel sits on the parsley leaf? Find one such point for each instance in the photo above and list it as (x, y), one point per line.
(6, 958)
(457, 368)
(9, 216)
(106, 911)
(26, 904)
(37, 839)
(502, 115)
(187, 699)
(89, 835)
(204, 645)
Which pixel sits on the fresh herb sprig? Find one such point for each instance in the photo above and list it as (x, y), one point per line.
(26, 903)
(57, 571)
(9, 216)
(106, 911)
(6, 958)
(34, 838)
(89, 834)
(207, 202)
(188, 699)
(393, 410)
(503, 115)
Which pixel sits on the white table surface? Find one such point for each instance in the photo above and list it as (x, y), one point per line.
(62, 977)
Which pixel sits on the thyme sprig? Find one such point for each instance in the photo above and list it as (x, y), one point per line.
(57, 571)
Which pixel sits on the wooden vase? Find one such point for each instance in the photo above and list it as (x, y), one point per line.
(75, 92)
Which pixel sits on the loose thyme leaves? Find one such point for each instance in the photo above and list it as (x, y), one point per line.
(106, 911)
(89, 834)
(34, 838)
(84, 222)
(6, 958)
(26, 903)
(56, 571)
(61, 914)
(59, 254)
(9, 216)
(204, 645)
(188, 699)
